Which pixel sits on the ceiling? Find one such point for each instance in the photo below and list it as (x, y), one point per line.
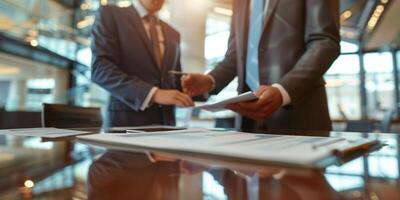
(357, 24)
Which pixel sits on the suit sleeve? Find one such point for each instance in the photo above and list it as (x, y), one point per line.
(129, 89)
(226, 70)
(322, 48)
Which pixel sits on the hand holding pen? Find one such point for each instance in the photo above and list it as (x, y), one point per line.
(194, 84)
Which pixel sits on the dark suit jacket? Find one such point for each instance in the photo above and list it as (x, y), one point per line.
(124, 64)
(299, 43)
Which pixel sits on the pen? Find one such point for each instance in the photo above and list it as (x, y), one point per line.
(178, 73)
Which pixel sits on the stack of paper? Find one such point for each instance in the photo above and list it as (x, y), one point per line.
(218, 106)
(293, 150)
(42, 132)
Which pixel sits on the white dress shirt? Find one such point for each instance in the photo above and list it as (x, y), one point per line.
(143, 13)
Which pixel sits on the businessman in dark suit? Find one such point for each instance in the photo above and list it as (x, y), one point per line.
(132, 52)
(280, 50)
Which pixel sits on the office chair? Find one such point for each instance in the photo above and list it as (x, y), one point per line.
(1, 116)
(365, 126)
(65, 116)
(2, 137)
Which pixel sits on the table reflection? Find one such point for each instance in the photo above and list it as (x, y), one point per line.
(128, 175)
(60, 172)
(123, 175)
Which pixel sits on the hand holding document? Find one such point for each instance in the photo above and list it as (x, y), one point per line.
(218, 106)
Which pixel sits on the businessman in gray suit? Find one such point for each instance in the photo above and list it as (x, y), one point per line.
(133, 50)
(280, 50)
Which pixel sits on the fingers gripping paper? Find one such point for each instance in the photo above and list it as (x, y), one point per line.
(218, 106)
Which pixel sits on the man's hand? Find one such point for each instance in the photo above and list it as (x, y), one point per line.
(269, 100)
(196, 84)
(172, 97)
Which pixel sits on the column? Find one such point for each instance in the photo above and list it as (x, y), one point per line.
(17, 95)
(189, 17)
(60, 90)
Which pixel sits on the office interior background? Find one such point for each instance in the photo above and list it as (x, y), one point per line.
(45, 58)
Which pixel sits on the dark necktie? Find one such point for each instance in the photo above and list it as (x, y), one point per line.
(255, 30)
(155, 42)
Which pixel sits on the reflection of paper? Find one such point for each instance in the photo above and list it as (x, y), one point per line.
(42, 132)
(248, 96)
(296, 150)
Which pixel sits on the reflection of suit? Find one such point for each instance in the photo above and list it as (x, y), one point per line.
(125, 175)
(299, 43)
(297, 184)
(125, 65)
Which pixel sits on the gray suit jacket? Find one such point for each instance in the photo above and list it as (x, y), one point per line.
(124, 64)
(299, 43)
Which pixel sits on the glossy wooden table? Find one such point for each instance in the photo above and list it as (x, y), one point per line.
(32, 169)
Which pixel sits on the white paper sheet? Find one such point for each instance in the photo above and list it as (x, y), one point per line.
(295, 150)
(218, 106)
(42, 132)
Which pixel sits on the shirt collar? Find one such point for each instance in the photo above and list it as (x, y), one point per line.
(141, 10)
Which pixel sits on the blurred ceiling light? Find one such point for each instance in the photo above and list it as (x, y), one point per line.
(6, 70)
(84, 6)
(34, 43)
(223, 11)
(384, 1)
(380, 8)
(103, 2)
(87, 21)
(375, 17)
(29, 184)
(350, 34)
(124, 4)
(345, 15)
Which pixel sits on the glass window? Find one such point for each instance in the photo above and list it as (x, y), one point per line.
(343, 87)
(216, 44)
(348, 47)
(216, 41)
(379, 83)
(27, 84)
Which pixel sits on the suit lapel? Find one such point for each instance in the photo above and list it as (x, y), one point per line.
(138, 25)
(168, 48)
(269, 14)
(242, 25)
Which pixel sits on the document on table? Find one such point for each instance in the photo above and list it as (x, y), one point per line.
(218, 106)
(42, 132)
(306, 151)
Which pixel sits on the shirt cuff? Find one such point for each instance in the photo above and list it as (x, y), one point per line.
(213, 82)
(148, 98)
(285, 95)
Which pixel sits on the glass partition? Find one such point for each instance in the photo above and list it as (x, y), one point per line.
(379, 83)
